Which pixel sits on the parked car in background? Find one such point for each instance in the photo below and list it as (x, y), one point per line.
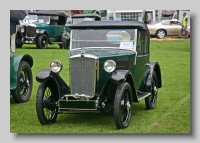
(21, 81)
(165, 28)
(109, 69)
(77, 18)
(49, 28)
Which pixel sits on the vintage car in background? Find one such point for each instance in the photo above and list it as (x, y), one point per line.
(165, 28)
(77, 18)
(109, 69)
(21, 80)
(49, 28)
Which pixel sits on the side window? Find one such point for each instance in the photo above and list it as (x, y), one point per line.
(146, 47)
(166, 23)
(142, 43)
(139, 48)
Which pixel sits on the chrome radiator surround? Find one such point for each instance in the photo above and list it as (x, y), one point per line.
(84, 71)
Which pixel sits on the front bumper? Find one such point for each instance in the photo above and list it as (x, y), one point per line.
(77, 105)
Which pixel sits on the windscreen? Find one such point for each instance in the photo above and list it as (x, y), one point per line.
(121, 38)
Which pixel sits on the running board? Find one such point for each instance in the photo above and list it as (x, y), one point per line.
(142, 95)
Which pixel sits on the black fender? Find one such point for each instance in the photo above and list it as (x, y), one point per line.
(46, 75)
(121, 76)
(154, 66)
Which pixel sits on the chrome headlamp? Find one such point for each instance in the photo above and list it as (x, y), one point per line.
(22, 30)
(109, 66)
(56, 66)
(37, 30)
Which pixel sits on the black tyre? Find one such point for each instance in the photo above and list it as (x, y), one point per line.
(23, 90)
(151, 100)
(18, 42)
(42, 41)
(65, 43)
(46, 108)
(37, 45)
(160, 34)
(123, 105)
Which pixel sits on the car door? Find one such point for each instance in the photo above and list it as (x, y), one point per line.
(168, 27)
(176, 28)
(142, 59)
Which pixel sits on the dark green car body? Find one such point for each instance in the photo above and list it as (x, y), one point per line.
(21, 77)
(49, 28)
(109, 69)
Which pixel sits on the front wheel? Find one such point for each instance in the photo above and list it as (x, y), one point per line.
(46, 107)
(151, 100)
(160, 34)
(42, 41)
(18, 42)
(123, 105)
(23, 90)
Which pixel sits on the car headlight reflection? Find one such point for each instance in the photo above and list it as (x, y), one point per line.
(109, 66)
(56, 66)
(37, 30)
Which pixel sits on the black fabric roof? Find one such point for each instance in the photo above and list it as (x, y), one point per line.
(96, 16)
(110, 24)
(49, 13)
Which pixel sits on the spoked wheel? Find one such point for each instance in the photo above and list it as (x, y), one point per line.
(151, 100)
(123, 105)
(18, 41)
(23, 90)
(160, 34)
(42, 41)
(46, 103)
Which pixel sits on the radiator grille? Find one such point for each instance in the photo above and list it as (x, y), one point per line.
(30, 31)
(83, 76)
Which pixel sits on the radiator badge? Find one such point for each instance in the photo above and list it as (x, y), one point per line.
(82, 52)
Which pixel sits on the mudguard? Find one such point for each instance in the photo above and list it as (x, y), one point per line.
(121, 76)
(14, 66)
(154, 66)
(46, 75)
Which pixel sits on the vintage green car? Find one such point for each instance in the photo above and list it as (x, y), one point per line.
(49, 27)
(21, 80)
(109, 69)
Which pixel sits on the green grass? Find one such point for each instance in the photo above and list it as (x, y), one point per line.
(172, 114)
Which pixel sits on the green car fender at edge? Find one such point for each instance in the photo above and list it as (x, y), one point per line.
(14, 65)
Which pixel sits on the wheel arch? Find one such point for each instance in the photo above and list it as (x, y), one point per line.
(121, 76)
(14, 66)
(43, 32)
(156, 67)
(161, 29)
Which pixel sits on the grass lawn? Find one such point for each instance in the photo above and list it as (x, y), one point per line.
(172, 114)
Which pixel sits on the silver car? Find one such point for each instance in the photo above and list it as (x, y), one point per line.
(165, 28)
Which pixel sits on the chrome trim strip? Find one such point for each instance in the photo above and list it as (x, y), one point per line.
(85, 56)
(117, 48)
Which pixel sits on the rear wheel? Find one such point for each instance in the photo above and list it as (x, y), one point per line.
(123, 105)
(46, 107)
(151, 100)
(42, 41)
(160, 34)
(23, 90)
